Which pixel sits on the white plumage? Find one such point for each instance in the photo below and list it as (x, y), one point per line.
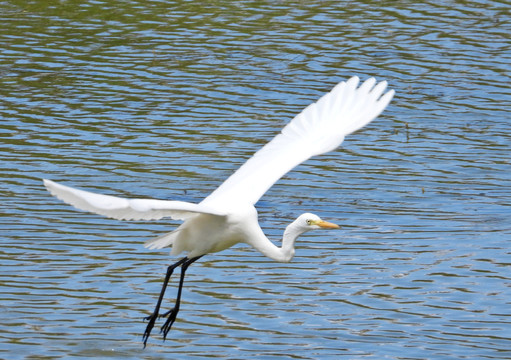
(227, 215)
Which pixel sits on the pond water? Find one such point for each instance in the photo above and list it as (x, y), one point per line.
(164, 99)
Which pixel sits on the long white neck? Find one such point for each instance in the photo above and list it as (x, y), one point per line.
(284, 253)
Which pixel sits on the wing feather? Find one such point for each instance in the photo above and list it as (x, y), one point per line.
(126, 209)
(319, 128)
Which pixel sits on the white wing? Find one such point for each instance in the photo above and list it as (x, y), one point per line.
(127, 209)
(319, 128)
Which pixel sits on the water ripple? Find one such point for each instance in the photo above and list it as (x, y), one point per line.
(175, 96)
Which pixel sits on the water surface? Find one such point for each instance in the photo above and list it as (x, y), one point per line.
(166, 99)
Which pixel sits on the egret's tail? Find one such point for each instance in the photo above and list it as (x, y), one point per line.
(162, 241)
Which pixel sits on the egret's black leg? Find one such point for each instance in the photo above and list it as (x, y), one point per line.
(152, 318)
(172, 314)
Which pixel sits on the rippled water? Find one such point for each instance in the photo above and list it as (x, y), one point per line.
(166, 99)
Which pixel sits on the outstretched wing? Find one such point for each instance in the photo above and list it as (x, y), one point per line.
(127, 209)
(319, 128)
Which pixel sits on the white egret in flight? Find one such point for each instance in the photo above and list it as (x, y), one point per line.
(228, 216)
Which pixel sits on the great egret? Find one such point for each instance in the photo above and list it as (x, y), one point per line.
(228, 216)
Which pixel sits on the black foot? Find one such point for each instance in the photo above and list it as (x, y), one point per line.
(172, 314)
(152, 319)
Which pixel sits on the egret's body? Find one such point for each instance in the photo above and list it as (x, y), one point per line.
(228, 215)
(221, 232)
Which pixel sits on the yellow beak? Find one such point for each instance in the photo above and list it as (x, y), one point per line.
(327, 225)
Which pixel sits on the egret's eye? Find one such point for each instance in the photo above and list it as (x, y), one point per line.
(309, 222)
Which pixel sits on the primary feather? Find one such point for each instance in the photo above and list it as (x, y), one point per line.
(319, 128)
(127, 209)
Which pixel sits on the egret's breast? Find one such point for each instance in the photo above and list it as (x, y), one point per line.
(209, 233)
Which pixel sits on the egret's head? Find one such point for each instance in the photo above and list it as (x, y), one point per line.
(309, 221)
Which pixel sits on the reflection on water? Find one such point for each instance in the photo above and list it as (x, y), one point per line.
(166, 99)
